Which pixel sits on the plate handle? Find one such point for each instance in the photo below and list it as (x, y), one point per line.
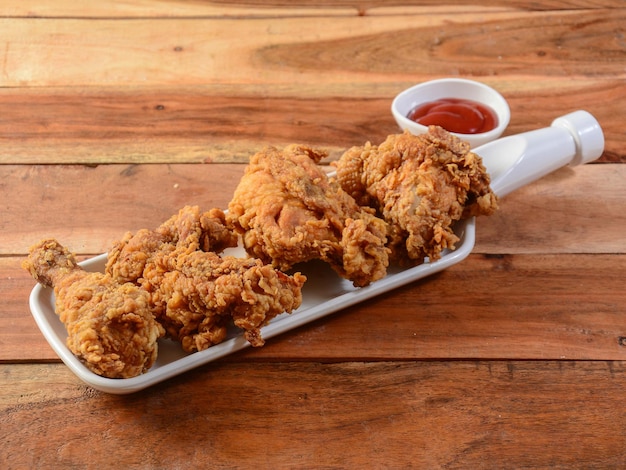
(517, 160)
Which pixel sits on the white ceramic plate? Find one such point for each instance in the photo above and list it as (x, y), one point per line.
(323, 293)
(511, 162)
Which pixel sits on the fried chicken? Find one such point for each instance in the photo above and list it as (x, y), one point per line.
(420, 185)
(289, 212)
(202, 292)
(194, 292)
(110, 326)
(189, 228)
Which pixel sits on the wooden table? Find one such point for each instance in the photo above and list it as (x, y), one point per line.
(115, 114)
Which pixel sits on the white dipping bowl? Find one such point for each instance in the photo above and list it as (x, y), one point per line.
(452, 88)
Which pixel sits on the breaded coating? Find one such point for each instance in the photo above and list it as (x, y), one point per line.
(110, 325)
(196, 230)
(420, 185)
(289, 212)
(201, 293)
(194, 292)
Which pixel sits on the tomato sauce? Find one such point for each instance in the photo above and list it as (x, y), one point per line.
(455, 115)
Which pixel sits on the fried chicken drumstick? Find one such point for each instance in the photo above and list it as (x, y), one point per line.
(110, 326)
(289, 212)
(194, 292)
(420, 185)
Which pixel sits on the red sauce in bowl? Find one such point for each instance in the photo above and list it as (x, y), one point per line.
(455, 115)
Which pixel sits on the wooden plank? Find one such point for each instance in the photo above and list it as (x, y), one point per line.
(517, 307)
(296, 51)
(87, 208)
(569, 211)
(515, 358)
(221, 123)
(503, 414)
(114, 199)
(90, 9)
(512, 307)
(20, 339)
(262, 8)
(131, 125)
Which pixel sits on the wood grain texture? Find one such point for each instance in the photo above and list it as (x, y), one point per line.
(222, 124)
(452, 415)
(536, 221)
(116, 113)
(487, 307)
(574, 210)
(262, 8)
(296, 51)
(172, 91)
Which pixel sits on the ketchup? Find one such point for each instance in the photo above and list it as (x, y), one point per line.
(455, 115)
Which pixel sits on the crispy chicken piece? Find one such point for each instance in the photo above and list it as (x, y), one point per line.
(110, 326)
(420, 185)
(194, 292)
(289, 212)
(206, 231)
(202, 292)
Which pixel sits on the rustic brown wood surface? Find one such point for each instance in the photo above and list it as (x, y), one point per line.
(115, 114)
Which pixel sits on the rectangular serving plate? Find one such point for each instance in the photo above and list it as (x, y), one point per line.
(511, 161)
(323, 293)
